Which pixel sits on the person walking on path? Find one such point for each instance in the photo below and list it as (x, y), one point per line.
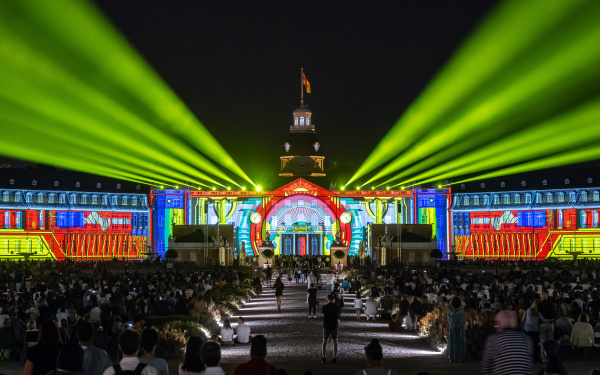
(269, 273)
(257, 286)
(331, 315)
(507, 351)
(312, 300)
(290, 275)
(278, 292)
(312, 280)
(456, 331)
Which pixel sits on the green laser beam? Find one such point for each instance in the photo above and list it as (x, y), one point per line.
(72, 50)
(488, 60)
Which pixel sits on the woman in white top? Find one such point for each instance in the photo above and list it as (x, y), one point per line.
(192, 362)
(358, 304)
(226, 333)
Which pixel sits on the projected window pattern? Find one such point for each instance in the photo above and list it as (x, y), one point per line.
(304, 211)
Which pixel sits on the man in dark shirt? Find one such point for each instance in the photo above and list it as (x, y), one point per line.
(331, 314)
(257, 364)
(546, 326)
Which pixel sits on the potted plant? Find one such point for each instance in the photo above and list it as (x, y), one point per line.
(339, 254)
(267, 254)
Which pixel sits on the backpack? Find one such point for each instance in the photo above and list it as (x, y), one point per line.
(138, 370)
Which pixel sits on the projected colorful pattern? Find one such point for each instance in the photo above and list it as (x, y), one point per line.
(528, 224)
(76, 225)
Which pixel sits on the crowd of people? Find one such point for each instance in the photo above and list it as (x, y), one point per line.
(47, 310)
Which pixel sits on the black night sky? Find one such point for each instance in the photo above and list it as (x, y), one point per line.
(236, 64)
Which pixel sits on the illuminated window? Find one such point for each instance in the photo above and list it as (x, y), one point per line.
(560, 216)
(28, 248)
(94, 199)
(17, 246)
(528, 198)
(84, 199)
(5, 196)
(596, 196)
(517, 198)
(134, 201)
(538, 198)
(561, 246)
(466, 201)
(549, 198)
(40, 246)
(18, 220)
(572, 197)
(308, 121)
(476, 200)
(40, 198)
(584, 244)
(572, 244)
(105, 200)
(51, 198)
(18, 197)
(5, 246)
(595, 219)
(496, 199)
(506, 199)
(583, 219)
(561, 197)
(73, 199)
(596, 244)
(486, 200)
(301, 120)
(114, 200)
(295, 120)
(28, 198)
(584, 196)
(124, 201)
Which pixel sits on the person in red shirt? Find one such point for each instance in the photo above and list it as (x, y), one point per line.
(395, 325)
(257, 364)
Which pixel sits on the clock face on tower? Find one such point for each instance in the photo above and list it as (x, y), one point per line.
(255, 218)
(345, 218)
(287, 147)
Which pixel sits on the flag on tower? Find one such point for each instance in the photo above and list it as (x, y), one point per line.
(306, 84)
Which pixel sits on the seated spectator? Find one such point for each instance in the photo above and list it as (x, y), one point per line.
(211, 356)
(243, 332)
(257, 363)
(395, 325)
(226, 333)
(69, 361)
(41, 358)
(582, 335)
(564, 324)
(129, 345)
(95, 360)
(374, 358)
(148, 342)
(31, 335)
(386, 306)
(371, 307)
(192, 362)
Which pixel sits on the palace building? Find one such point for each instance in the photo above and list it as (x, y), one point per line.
(53, 215)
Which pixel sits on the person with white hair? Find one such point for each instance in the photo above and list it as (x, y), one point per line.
(507, 351)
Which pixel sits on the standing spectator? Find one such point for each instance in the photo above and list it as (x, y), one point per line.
(553, 364)
(257, 286)
(290, 275)
(546, 314)
(358, 304)
(374, 358)
(404, 305)
(329, 280)
(456, 331)
(129, 345)
(243, 331)
(331, 315)
(278, 292)
(257, 365)
(507, 351)
(8, 338)
(148, 342)
(41, 358)
(269, 273)
(95, 360)
(192, 362)
(211, 356)
(312, 300)
(312, 280)
(531, 326)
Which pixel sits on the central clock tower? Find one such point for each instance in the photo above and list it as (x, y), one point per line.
(302, 154)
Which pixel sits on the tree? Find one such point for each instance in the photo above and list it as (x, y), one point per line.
(339, 254)
(267, 254)
(170, 254)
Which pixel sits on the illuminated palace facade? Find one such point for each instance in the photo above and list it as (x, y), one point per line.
(300, 217)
